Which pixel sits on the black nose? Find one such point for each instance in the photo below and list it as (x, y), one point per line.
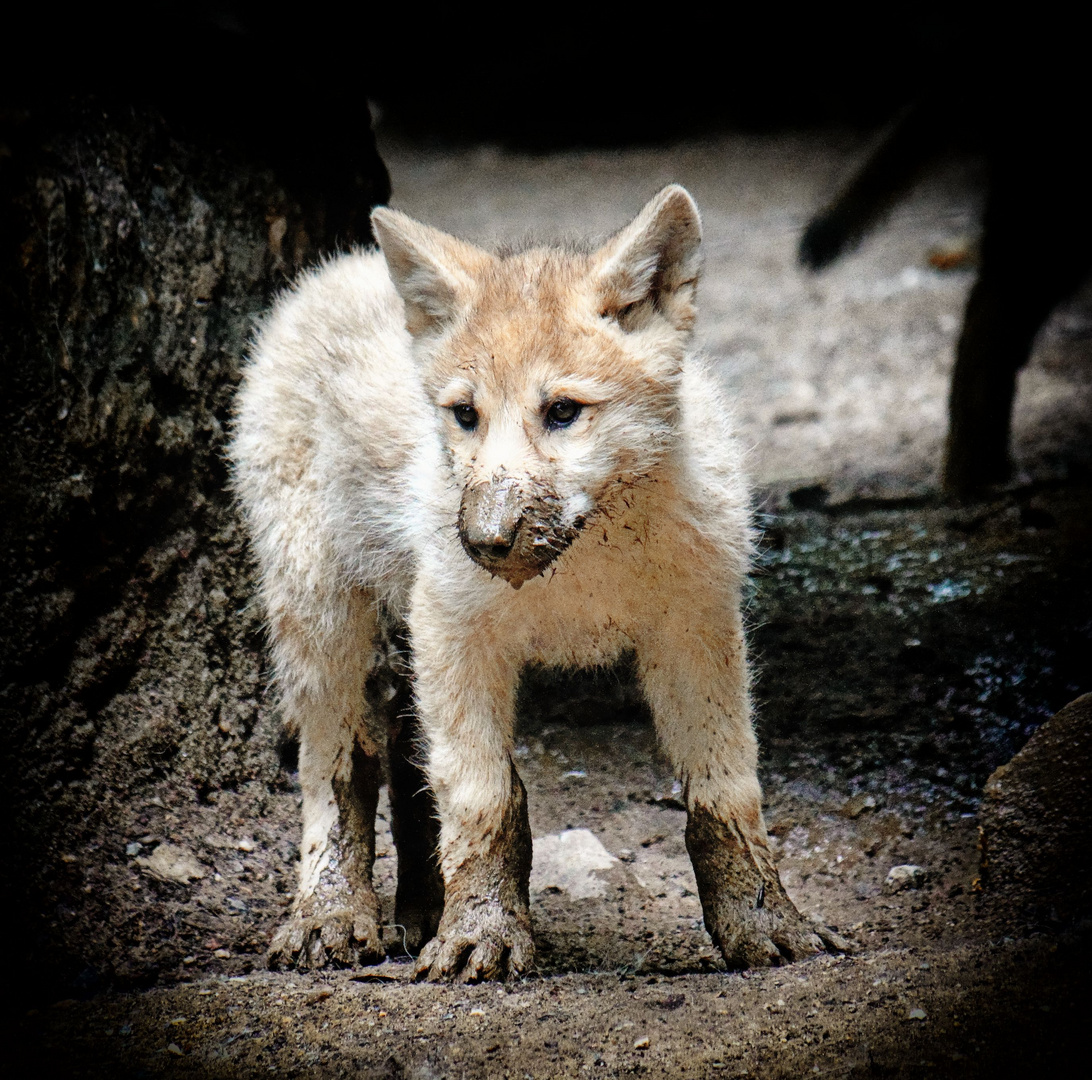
(496, 548)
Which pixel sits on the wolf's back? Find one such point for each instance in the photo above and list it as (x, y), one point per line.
(332, 428)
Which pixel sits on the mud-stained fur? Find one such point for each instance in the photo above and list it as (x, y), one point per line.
(508, 459)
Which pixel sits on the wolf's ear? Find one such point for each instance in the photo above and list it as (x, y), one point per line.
(652, 265)
(433, 272)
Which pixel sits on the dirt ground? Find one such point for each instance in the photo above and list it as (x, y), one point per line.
(904, 650)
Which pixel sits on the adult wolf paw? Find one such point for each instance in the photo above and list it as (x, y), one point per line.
(342, 937)
(482, 941)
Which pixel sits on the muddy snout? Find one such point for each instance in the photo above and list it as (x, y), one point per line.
(511, 531)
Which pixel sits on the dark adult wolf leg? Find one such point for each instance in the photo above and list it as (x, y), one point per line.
(1034, 252)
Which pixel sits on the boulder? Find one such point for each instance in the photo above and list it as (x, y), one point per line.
(1035, 823)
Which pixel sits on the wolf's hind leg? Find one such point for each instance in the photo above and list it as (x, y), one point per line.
(415, 825)
(697, 688)
(322, 659)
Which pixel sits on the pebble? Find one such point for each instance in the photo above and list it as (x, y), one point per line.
(169, 862)
(906, 876)
(855, 806)
(917, 1014)
(569, 862)
(641, 1044)
(247, 845)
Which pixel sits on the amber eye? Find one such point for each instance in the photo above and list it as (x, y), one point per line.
(465, 415)
(562, 413)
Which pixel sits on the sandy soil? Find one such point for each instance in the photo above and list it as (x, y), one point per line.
(904, 650)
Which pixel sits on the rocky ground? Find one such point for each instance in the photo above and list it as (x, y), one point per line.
(904, 650)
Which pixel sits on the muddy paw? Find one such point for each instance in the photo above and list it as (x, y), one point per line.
(775, 933)
(343, 938)
(748, 914)
(483, 942)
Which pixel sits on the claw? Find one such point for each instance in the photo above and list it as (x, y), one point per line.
(485, 962)
(476, 949)
(310, 943)
(315, 953)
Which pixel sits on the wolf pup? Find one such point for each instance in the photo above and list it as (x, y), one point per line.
(477, 461)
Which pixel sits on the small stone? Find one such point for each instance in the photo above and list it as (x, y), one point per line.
(477, 1012)
(569, 862)
(169, 862)
(626, 855)
(174, 1048)
(135, 848)
(917, 1014)
(641, 1044)
(906, 876)
(222, 954)
(855, 806)
(246, 845)
(68, 858)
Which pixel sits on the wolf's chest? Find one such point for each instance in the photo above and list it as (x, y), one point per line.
(582, 612)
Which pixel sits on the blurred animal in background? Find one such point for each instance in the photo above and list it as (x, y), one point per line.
(1029, 115)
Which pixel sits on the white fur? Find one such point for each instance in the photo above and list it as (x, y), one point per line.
(350, 469)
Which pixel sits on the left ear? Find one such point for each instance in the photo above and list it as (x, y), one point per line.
(652, 265)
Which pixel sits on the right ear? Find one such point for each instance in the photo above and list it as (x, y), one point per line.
(433, 272)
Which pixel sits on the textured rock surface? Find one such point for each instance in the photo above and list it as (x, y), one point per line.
(1036, 821)
(132, 266)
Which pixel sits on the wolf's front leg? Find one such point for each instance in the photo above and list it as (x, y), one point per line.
(321, 669)
(465, 694)
(696, 683)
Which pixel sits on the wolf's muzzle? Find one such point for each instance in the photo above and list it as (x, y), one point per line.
(511, 531)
